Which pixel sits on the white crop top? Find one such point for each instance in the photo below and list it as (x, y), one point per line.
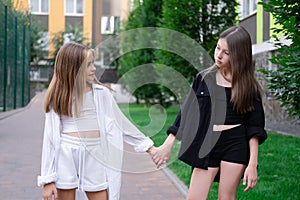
(87, 120)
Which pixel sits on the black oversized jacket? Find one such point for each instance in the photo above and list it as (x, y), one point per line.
(194, 123)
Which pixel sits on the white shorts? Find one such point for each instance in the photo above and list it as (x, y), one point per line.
(77, 165)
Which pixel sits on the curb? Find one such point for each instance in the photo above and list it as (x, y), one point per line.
(182, 188)
(6, 114)
(283, 132)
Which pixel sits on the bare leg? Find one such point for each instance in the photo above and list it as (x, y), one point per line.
(100, 195)
(66, 194)
(230, 177)
(201, 182)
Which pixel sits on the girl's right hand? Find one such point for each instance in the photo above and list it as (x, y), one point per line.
(49, 190)
(162, 154)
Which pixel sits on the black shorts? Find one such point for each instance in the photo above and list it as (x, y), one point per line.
(232, 146)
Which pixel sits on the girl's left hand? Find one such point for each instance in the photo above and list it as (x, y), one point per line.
(152, 150)
(250, 175)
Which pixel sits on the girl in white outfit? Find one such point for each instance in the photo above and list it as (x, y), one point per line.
(84, 131)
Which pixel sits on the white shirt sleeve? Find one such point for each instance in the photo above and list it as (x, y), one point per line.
(48, 171)
(131, 134)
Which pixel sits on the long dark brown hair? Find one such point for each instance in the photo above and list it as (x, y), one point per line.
(245, 87)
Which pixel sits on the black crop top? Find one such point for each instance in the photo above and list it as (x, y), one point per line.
(232, 116)
(253, 120)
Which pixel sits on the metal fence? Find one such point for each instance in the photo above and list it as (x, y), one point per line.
(14, 58)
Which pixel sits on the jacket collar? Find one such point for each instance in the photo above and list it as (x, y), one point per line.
(97, 86)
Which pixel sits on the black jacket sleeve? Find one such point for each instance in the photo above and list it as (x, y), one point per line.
(255, 122)
(175, 127)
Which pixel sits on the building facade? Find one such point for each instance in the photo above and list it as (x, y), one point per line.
(259, 24)
(97, 18)
(56, 15)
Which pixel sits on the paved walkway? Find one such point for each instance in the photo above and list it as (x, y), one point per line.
(21, 133)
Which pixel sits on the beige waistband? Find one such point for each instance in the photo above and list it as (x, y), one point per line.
(224, 127)
(84, 134)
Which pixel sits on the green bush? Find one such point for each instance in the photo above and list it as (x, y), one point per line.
(284, 82)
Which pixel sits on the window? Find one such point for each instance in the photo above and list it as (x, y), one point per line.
(39, 6)
(74, 7)
(110, 24)
(247, 7)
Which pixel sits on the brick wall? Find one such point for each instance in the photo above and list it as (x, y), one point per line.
(276, 117)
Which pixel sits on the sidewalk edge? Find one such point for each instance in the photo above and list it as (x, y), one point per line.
(182, 188)
(10, 113)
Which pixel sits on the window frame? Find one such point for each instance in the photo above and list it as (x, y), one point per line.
(74, 13)
(251, 9)
(104, 21)
(39, 12)
(114, 24)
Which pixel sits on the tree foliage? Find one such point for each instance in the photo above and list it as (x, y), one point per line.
(202, 21)
(71, 34)
(36, 31)
(215, 17)
(146, 14)
(284, 82)
(38, 44)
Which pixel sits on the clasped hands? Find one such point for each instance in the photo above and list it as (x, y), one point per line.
(161, 155)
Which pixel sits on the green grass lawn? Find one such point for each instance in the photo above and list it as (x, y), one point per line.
(279, 157)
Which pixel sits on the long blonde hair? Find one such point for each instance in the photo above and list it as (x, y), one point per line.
(69, 80)
(245, 87)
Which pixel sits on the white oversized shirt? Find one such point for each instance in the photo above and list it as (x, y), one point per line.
(116, 128)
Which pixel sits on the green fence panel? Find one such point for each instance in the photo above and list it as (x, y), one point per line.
(14, 58)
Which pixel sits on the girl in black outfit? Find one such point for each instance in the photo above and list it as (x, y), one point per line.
(226, 102)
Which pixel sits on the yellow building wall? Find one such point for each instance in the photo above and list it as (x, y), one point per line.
(259, 23)
(22, 5)
(88, 20)
(56, 21)
(273, 25)
(125, 9)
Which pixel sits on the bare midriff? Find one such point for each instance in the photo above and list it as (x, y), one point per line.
(224, 127)
(84, 134)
